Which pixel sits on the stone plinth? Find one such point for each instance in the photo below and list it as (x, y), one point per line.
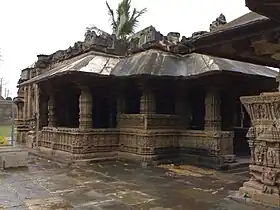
(264, 142)
(12, 157)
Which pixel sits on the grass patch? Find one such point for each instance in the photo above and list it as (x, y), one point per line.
(5, 130)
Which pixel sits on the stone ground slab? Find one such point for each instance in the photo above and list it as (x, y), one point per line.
(117, 186)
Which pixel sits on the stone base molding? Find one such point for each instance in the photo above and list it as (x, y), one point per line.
(137, 145)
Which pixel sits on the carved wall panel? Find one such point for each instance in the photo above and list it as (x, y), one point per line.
(79, 141)
(131, 121)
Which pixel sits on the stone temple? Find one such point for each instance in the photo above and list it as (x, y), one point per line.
(148, 101)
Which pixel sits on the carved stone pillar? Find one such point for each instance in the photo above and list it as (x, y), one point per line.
(212, 110)
(85, 103)
(25, 98)
(51, 111)
(20, 111)
(264, 143)
(147, 102)
(29, 102)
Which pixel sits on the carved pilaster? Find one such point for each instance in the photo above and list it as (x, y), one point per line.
(25, 98)
(51, 111)
(212, 110)
(85, 103)
(147, 102)
(29, 102)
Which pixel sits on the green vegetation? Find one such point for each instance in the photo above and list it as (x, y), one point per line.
(5, 130)
(123, 21)
(3, 141)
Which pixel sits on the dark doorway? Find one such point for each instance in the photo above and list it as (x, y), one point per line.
(197, 103)
(165, 102)
(67, 106)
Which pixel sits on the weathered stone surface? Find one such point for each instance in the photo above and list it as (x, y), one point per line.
(264, 141)
(221, 20)
(12, 157)
(48, 203)
(117, 186)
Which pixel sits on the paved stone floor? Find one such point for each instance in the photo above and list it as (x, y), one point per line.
(118, 186)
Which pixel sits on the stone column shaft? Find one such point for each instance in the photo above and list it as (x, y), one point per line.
(147, 102)
(25, 106)
(29, 103)
(212, 110)
(51, 111)
(20, 111)
(85, 103)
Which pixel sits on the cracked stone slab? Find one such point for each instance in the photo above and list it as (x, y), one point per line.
(131, 197)
(84, 197)
(59, 182)
(51, 203)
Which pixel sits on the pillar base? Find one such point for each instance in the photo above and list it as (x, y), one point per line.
(254, 191)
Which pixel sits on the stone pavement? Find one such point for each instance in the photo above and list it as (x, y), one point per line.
(46, 185)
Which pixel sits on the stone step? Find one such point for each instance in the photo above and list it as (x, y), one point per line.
(237, 167)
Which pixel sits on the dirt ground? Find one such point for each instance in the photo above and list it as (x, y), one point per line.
(45, 185)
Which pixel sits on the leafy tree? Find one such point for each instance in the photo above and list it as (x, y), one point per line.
(123, 22)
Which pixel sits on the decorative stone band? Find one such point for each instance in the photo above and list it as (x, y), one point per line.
(148, 121)
(153, 143)
(265, 107)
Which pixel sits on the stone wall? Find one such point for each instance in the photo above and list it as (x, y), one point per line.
(6, 108)
(149, 146)
(79, 143)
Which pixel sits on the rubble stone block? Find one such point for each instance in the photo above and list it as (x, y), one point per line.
(11, 157)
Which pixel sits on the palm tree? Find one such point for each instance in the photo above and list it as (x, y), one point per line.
(125, 23)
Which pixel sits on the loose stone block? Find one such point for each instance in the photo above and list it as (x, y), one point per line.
(11, 157)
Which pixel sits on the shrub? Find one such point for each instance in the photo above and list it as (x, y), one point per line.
(3, 141)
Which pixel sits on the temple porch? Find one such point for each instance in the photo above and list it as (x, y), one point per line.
(141, 119)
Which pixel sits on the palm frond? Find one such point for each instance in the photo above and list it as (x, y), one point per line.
(125, 22)
(134, 18)
(112, 17)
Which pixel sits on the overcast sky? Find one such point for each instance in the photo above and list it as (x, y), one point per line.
(32, 27)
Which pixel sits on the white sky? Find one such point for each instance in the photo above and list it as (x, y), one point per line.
(32, 27)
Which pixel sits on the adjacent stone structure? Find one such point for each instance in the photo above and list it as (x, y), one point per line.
(142, 101)
(254, 38)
